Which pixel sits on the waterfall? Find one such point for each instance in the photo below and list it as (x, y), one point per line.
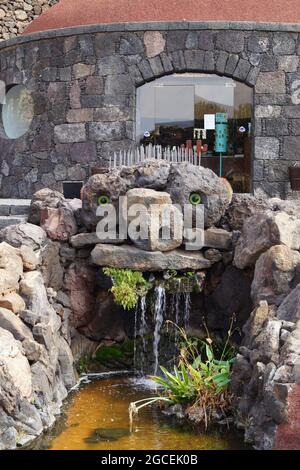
(176, 302)
(187, 310)
(140, 329)
(159, 314)
(142, 333)
(135, 338)
(178, 311)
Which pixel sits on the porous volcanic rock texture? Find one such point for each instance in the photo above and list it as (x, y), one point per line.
(15, 16)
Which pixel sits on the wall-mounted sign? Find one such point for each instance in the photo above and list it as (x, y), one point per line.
(209, 122)
(221, 118)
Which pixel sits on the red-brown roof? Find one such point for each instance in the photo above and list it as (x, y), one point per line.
(69, 13)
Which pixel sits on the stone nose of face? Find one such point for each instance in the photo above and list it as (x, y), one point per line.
(159, 226)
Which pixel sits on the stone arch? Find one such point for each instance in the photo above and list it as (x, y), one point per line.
(195, 61)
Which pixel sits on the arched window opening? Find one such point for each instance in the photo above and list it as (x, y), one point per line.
(210, 114)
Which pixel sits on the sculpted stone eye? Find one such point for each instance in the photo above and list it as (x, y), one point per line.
(103, 200)
(195, 199)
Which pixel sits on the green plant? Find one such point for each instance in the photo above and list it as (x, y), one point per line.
(136, 406)
(128, 286)
(108, 353)
(189, 274)
(201, 378)
(82, 364)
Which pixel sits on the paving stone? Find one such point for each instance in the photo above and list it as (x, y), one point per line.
(145, 69)
(119, 84)
(277, 127)
(80, 115)
(267, 111)
(156, 66)
(221, 61)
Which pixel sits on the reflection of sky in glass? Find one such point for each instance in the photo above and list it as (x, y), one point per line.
(17, 112)
(172, 99)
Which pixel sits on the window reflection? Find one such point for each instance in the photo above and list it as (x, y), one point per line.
(203, 111)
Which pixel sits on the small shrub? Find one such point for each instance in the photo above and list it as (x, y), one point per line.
(128, 286)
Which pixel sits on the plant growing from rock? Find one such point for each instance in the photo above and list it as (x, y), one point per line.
(200, 382)
(128, 286)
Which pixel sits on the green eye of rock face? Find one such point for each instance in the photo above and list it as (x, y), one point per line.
(195, 199)
(103, 200)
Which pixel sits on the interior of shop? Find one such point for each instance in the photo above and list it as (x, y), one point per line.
(209, 114)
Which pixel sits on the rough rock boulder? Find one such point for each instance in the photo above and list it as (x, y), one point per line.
(157, 214)
(24, 234)
(111, 185)
(127, 256)
(263, 230)
(14, 369)
(44, 199)
(274, 274)
(11, 268)
(186, 179)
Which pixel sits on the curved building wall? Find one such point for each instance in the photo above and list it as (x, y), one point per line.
(83, 82)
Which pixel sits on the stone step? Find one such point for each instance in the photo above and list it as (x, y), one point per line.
(5, 221)
(14, 207)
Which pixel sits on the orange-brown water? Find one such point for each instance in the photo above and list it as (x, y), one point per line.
(102, 407)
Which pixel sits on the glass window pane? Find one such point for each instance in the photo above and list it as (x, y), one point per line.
(193, 110)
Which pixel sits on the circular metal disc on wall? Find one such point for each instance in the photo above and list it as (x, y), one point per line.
(17, 112)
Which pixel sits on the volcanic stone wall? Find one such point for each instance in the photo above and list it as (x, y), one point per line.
(16, 15)
(84, 82)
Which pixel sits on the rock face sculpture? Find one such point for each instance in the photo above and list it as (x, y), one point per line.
(156, 183)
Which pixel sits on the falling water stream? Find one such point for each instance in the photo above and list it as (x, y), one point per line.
(160, 311)
(96, 414)
(174, 308)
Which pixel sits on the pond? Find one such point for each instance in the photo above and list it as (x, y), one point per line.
(96, 417)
